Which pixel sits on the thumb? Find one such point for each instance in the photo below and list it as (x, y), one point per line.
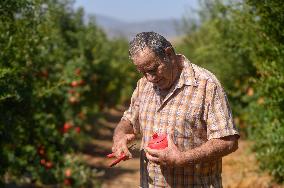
(170, 138)
(130, 137)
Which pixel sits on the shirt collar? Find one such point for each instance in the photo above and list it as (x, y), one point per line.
(187, 76)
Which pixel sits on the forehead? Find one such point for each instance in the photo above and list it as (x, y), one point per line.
(145, 58)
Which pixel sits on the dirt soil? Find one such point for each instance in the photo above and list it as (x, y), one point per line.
(240, 169)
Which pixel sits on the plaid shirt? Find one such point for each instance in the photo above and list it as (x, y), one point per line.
(196, 110)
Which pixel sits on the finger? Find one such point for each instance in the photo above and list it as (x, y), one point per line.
(163, 163)
(130, 137)
(172, 131)
(152, 158)
(126, 151)
(118, 153)
(115, 148)
(170, 138)
(119, 150)
(152, 152)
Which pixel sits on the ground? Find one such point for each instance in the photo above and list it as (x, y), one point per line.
(240, 168)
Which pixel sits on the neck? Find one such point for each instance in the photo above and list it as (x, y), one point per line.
(177, 68)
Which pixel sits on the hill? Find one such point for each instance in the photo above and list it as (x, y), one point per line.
(170, 28)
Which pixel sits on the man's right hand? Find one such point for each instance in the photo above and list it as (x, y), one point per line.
(120, 144)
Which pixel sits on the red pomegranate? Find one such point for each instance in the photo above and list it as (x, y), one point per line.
(158, 142)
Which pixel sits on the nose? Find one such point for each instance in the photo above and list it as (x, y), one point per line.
(151, 77)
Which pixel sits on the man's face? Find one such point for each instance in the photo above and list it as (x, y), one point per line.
(155, 69)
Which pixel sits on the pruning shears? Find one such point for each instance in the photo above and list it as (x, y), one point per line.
(122, 156)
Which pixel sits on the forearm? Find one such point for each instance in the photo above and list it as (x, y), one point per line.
(124, 127)
(123, 134)
(211, 150)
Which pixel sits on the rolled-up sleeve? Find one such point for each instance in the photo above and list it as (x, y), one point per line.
(219, 118)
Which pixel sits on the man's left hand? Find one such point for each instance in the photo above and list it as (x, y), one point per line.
(170, 156)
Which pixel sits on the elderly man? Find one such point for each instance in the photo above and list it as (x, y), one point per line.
(184, 101)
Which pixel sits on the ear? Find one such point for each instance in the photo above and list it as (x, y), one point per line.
(170, 52)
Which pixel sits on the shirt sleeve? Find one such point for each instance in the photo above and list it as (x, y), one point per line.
(132, 113)
(219, 118)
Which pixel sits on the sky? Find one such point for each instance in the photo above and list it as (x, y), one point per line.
(138, 10)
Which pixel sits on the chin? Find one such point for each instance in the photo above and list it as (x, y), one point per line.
(164, 87)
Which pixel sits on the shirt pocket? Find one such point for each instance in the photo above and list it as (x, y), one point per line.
(189, 131)
(197, 128)
(182, 134)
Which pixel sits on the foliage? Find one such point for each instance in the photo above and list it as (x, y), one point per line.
(56, 74)
(242, 43)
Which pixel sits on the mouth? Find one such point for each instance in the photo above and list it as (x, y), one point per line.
(157, 82)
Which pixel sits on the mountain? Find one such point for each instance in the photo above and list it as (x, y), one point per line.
(116, 28)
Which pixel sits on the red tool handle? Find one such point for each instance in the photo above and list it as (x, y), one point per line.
(122, 157)
(110, 155)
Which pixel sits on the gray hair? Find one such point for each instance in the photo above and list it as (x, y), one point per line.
(154, 41)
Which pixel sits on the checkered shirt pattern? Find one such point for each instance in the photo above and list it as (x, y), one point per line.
(195, 110)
